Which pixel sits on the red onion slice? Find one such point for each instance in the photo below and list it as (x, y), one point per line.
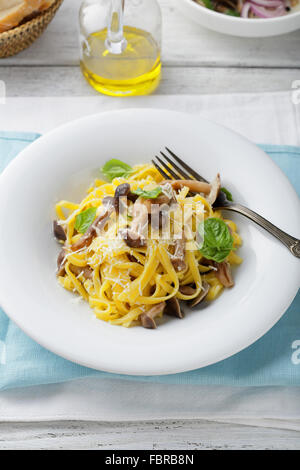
(245, 10)
(262, 12)
(268, 3)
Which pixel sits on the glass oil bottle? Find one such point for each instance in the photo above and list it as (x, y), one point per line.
(121, 46)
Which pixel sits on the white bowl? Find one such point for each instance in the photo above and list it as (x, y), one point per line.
(235, 26)
(63, 163)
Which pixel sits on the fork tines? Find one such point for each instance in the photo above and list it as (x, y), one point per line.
(178, 171)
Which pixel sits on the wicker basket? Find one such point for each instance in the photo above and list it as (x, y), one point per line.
(17, 39)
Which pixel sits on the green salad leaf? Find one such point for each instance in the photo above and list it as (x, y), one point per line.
(115, 169)
(152, 194)
(208, 4)
(85, 219)
(227, 193)
(232, 12)
(217, 242)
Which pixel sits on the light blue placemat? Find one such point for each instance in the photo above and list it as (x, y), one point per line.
(272, 360)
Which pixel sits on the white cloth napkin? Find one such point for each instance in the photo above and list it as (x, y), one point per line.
(263, 118)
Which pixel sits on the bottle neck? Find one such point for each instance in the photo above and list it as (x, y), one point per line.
(115, 41)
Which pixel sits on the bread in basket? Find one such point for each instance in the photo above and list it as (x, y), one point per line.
(22, 22)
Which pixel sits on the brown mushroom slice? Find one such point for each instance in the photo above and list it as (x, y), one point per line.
(148, 318)
(95, 228)
(132, 239)
(122, 190)
(186, 290)
(224, 273)
(173, 308)
(132, 258)
(59, 232)
(162, 199)
(120, 198)
(135, 236)
(201, 296)
(193, 185)
(86, 271)
(158, 209)
(215, 189)
(61, 261)
(178, 258)
(86, 239)
(122, 193)
(158, 201)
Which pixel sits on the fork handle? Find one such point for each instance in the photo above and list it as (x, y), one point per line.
(292, 243)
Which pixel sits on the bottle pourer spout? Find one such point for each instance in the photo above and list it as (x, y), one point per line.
(115, 41)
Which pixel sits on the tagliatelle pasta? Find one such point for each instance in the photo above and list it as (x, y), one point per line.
(130, 281)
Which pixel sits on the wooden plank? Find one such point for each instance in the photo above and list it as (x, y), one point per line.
(68, 81)
(168, 435)
(184, 44)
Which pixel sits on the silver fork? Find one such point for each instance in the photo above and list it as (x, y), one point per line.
(172, 167)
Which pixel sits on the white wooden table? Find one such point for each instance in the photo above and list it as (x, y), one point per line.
(196, 61)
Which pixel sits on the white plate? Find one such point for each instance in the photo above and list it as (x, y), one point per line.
(63, 163)
(235, 26)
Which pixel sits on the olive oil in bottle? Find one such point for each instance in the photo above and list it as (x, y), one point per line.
(135, 71)
(120, 46)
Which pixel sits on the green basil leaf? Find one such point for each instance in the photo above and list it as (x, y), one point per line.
(115, 169)
(232, 12)
(218, 241)
(208, 4)
(228, 194)
(152, 194)
(85, 219)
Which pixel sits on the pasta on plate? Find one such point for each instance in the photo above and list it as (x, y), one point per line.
(138, 246)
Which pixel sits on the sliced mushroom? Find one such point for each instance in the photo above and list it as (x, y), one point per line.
(122, 193)
(132, 239)
(95, 228)
(132, 258)
(215, 189)
(193, 185)
(135, 236)
(178, 258)
(59, 232)
(187, 290)
(120, 199)
(202, 295)
(148, 318)
(156, 202)
(122, 190)
(224, 273)
(61, 261)
(209, 264)
(158, 210)
(173, 308)
(86, 271)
